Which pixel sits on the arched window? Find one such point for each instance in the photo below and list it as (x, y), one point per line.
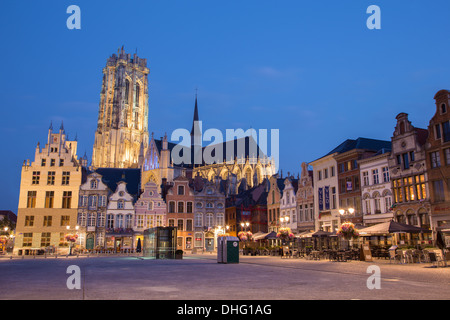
(127, 90)
(443, 108)
(138, 89)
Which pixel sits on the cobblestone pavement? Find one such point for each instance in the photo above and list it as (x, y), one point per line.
(200, 277)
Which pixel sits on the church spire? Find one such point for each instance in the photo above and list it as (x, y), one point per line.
(195, 114)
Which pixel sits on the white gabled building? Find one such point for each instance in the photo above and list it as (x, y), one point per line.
(288, 204)
(326, 195)
(376, 189)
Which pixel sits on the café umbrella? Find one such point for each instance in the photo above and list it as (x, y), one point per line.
(390, 227)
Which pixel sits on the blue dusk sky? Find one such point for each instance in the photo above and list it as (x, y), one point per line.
(311, 69)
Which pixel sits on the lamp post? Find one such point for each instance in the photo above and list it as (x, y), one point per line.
(284, 220)
(346, 211)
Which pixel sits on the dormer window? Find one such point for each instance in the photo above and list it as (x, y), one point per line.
(443, 108)
(94, 184)
(120, 204)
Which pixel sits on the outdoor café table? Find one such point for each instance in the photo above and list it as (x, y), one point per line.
(315, 255)
(341, 256)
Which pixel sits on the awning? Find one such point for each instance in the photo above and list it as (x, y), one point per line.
(265, 236)
(322, 233)
(390, 227)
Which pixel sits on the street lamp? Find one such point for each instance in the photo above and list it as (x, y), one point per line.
(349, 210)
(284, 219)
(245, 224)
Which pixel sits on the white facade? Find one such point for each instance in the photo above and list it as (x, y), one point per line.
(376, 189)
(288, 205)
(326, 195)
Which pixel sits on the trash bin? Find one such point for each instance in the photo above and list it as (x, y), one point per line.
(227, 249)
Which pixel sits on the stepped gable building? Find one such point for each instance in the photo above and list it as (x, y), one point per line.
(180, 211)
(275, 192)
(93, 202)
(209, 212)
(305, 200)
(122, 128)
(438, 162)
(48, 199)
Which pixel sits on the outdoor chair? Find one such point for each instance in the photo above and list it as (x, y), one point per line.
(408, 256)
(436, 259)
(396, 256)
(295, 253)
(426, 256)
(440, 258)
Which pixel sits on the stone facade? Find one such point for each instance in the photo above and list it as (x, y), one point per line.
(305, 200)
(327, 217)
(408, 174)
(121, 138)
(180, 211)
(438, 161)
(209, 213)
(288, 204)
(93, 202)
(376, 189)
(120, 217)
(151, 210)
(48, 198)
(276, 186)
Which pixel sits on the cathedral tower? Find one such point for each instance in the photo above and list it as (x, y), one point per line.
(122, 128)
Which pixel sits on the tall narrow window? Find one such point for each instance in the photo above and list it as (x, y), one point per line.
(127, 90)
(67, 199)
(438, 187)
(385, 174)
(49, 198)
(435, 159)
(446, 130)
(405, 161)
(138, 93)
(31, 199)
(438, 131)
(180, 206)
(375, 177)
